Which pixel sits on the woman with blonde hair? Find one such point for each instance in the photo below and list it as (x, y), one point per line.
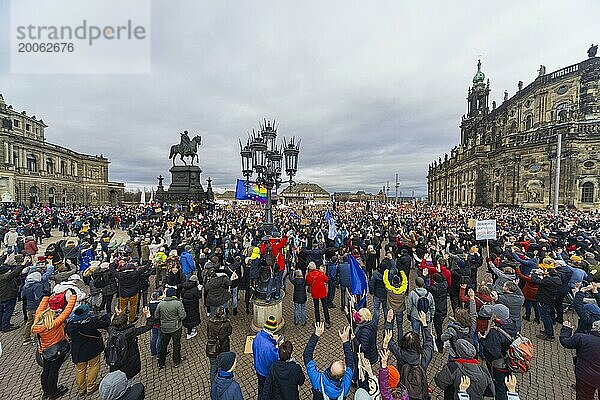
(53, 348)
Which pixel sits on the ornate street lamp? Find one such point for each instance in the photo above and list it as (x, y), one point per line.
(261, 155)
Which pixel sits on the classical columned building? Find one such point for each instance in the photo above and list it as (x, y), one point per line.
(33, 171)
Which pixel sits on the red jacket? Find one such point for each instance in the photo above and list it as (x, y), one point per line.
(530, 289)
(432, 270)
(277, 246)
(316, 280)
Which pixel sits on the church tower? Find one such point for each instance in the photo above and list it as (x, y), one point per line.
(478, 95)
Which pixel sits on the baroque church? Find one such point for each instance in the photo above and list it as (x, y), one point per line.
(507, 153)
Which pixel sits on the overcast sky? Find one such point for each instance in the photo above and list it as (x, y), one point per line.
(372, 88)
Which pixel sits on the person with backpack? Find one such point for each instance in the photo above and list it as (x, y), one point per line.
(53, 347)
(285, 376)
(413, 356)
(299, 296)
(218, 331)
(87, 345)
(495, 345)
(122, 352)
(512, 297)
(171, 314)
(272, 251)
(464, 363)
(587, 367)
(390, 387)
(335, 381)
(71, 284)
(419, 300)
(188, 266)
(216, 286)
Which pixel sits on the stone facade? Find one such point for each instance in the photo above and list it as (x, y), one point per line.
(33, 171)
(304, 193)
(507, 154)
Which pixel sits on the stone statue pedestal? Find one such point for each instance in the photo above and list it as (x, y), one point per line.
(185, 186)
(263, 310)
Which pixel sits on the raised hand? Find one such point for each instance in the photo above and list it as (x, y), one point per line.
(319, 328)
(423, 318)
(390, 316)
(383, 356)
(465, 382)
(511, 383)
(386, 338)
(568, 324)
(344, 334)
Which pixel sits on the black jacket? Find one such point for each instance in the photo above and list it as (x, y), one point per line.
(219, 329)
(439, 291)
(133, 364)
(299, 290)
(283, 381)
(9, 281)
(377, 287)
(495, 345)
(129, 282)
(190, 297)
(548, 288)
(448, 378)
(217, 290)
(86, 339)
(365, 336)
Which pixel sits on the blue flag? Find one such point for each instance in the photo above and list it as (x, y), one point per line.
(358, 281)
(331, 222)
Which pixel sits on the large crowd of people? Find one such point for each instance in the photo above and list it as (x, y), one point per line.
(110, 274)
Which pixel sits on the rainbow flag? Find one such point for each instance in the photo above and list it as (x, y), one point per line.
(248, 190)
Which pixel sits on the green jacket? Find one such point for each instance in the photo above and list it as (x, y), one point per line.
(171, 313)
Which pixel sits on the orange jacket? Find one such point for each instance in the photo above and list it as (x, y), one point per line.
(48, 337)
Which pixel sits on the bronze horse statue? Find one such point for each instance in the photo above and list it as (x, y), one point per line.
(186, 148)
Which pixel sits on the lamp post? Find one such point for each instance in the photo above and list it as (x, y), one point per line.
(261, 156)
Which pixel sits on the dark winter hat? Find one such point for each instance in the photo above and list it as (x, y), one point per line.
(225, 360)
(81, 313)
(271, 324)
(171, 292)
(464, 349)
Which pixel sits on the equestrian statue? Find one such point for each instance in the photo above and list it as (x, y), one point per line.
(186, 148)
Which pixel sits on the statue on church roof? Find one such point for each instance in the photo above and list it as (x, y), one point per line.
(592, 50)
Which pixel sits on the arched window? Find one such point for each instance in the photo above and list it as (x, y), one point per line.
(51, 196)
(528, 121)
(32, 163)
(50, 166)
(72, 168)
(64, 196)
(63, 168)
(587, 192)
(34, 197)
(497, 194)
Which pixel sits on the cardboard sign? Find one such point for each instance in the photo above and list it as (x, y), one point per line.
(485, 229)
(249, 340)
(472, 223)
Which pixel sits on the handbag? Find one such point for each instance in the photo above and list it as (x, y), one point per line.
(58, 351)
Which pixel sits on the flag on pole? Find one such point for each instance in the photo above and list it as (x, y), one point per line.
(331, 221)
(248, 190)
(358, 281)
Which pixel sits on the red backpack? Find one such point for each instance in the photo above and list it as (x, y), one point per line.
(519, 354)
(58, 301)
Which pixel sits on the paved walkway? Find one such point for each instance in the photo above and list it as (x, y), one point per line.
(551, 377)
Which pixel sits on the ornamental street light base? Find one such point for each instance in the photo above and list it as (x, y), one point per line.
(263, 310)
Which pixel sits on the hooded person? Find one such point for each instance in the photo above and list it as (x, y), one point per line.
(224, 387)
(588, 312)
(495, 346)
(114, 386)
(587, 366)
(35, 287)
(285, 376)
(465, 364)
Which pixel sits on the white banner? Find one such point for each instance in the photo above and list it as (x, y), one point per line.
(485, 229)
